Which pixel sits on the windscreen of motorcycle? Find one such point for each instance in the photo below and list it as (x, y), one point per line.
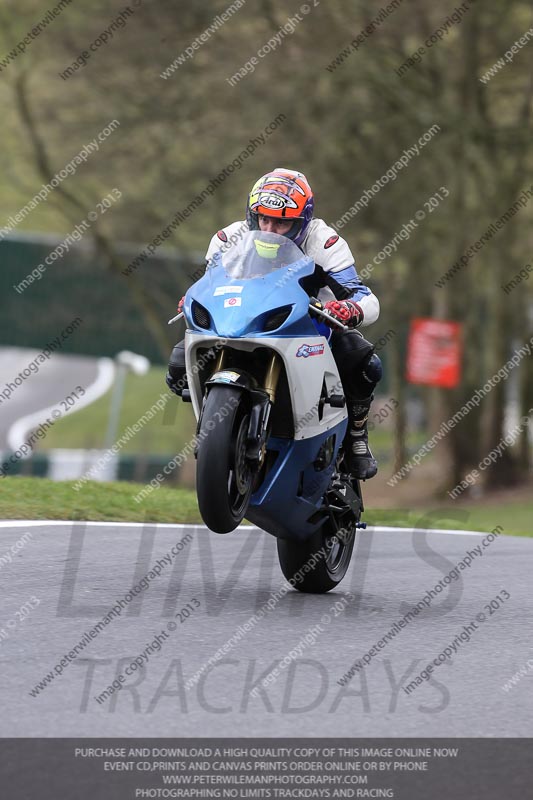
(257, 254)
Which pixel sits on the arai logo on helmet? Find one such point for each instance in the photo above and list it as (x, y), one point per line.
(272, 201)
(306, 350)
(276, 201)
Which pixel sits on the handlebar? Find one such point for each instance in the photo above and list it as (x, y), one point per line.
(316, 307)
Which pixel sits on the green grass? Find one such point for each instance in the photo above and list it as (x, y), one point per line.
(516, 520)
(38, 498)
(165, 434)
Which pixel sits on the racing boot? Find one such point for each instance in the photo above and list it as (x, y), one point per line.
(358, 456)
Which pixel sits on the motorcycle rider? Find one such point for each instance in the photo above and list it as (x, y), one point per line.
(282, 202)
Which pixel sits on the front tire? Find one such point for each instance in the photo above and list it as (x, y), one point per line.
(224, 478)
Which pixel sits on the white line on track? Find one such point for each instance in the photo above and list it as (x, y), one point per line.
(20, 523)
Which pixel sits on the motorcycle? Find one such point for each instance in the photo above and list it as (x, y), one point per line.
(271, 413)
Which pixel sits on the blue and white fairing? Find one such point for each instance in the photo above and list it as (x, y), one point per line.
(243, 285)
(253, 286)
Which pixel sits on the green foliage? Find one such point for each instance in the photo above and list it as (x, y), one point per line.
(344, 128)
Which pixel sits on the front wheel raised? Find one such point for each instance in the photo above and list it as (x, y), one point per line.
(223, 476)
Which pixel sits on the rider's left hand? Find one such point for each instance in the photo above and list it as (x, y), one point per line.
(346, 311)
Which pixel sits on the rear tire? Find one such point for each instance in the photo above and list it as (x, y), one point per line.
(319, 563)
(224, 478)
(326, 555)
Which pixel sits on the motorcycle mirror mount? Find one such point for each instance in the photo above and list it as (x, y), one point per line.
(176, 318)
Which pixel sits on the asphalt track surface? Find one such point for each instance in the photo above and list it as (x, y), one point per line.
(78, 571)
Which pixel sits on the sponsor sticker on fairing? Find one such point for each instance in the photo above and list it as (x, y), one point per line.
(227, 290)
(230, 302)
(226, 376)
(306, 350)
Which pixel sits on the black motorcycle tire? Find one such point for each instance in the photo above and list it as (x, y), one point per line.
(224, 479)
(326, 555)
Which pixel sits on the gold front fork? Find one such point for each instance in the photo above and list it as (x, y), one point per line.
(272, 376)
(219, 362)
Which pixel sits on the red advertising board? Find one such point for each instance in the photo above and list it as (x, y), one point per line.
(434, 353)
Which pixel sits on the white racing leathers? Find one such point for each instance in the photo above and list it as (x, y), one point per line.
(335, 274)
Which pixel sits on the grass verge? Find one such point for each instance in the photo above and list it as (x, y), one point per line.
(39, 498)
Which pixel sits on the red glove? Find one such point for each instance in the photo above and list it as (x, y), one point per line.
(180, 305)
(346, 311)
